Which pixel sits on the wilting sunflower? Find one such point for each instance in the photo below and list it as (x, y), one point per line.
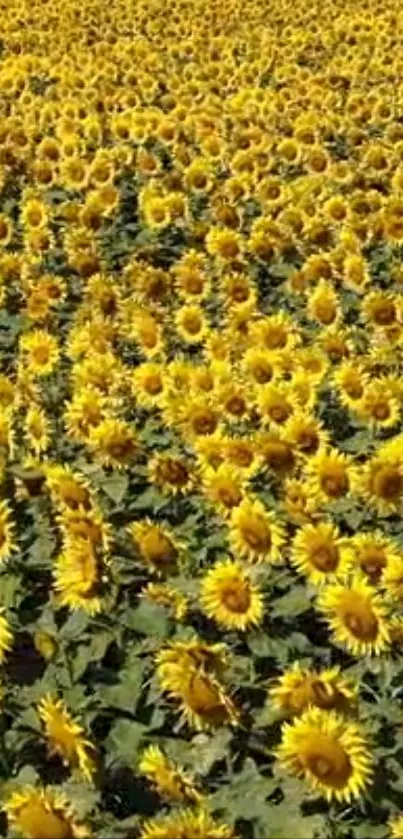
(114, 442)
(39, 813)
(156, 545)
(319, 552)
(170, 473)
(191, 673)
(297, 689)
(374, 553)
(229, 597)
(169, 780)
(329, 752)
(198, 824)
(256, 533)
(330, 475)
(357, 616)
(78, 577)
(41, 352)
(395, 826)
(65, 736)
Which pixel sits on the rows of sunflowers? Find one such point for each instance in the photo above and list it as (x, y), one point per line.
(201, 405)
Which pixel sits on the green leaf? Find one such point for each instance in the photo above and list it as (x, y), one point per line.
(263, 646)
(286, 819)
(294, 603)
(10, 590)
(85, 797)
(245, 796)
(124, 739)
(207, 750)
(75, 625)
(115, 486)
(150, 499)
(149, 619)
(125, 695)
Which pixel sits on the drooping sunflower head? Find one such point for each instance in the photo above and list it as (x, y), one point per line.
(169, 780)
(79, 576)
(320, 553)
(156, 546)
(357, 616)
(229, 597)
(297, 689)
(65, 736)
(198, 824)
(256, 533)
(329, 752)
(40, 813)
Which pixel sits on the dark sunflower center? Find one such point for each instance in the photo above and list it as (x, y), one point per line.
(257, 535)
(236, 597)
(388, 483)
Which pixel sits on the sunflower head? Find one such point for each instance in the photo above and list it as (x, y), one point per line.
(256, 533)
(40, 813)
(357, 616)
(298, 689)
(156, 546)
(230, 597)
(329, 752)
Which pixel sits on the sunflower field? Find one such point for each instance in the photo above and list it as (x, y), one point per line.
(201, 419)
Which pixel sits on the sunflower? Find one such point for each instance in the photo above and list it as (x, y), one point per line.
(378, 406)
(82, 523)
(39, 813)
(261, 366)
(298, 689)
(395, 826)
(256, 533)
(86, 410)
(243, 454)
(223, 486)
(114, 442)
(229, 597)
(276, 403)
(199, 417)
(78, 577)
(392, 577)
(66, 736)
(6, 636)
(34, 214)
(319, 552)
(380, 309)
(276, 452)
(41, 352)
(329, 752)
(156, 546)
(169, 780)
(382, 482)
(275, 333)
(350, 380)
(374, 553)
(7, 532)
(324, 304)
(170, 473)
(198, 824)
(306, 433)
(225, 244)
(67, 488)
(37, 430)
(169, 597)
(297, 501)
(330, 475)
(191, 673)
(191, 324)
(356, 615)
(356, 275)
(148, 384)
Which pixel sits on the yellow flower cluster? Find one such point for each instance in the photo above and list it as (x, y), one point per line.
(201, 398)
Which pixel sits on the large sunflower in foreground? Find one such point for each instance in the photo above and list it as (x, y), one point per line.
(229, 597)
(357, 616)
(329, 752)
(39, 813)
(183, 824)
(319, 552)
